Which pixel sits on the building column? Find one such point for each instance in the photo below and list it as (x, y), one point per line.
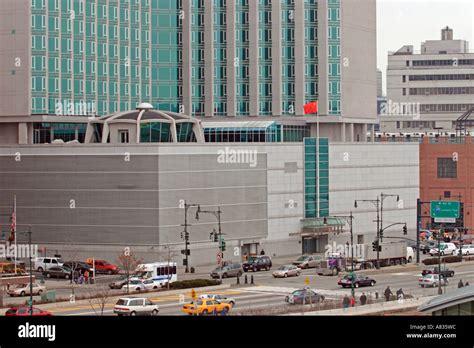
(187, 56)
(364, 129)
(299, 58)
(231, 55)
(276, 59)
(253, 57)
(351, 130)
(22, 133)
(209, 60)
(343, 132)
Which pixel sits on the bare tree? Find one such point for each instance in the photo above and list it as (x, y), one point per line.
(128, 263)
(169, 257)
(99, 299)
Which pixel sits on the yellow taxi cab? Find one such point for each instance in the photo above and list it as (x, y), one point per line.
(206, 306)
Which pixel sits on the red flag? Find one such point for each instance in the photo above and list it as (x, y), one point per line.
(311, 108)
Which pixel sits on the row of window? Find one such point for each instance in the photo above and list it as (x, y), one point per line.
(442, 77)
(441, 90)
(443, 62)
(429, 108)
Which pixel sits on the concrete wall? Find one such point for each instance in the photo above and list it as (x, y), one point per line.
(9, 133)
(358, 59)
(15, 58)
(93, 200)
(363, 171)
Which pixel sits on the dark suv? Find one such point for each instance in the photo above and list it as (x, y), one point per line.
(258, 263)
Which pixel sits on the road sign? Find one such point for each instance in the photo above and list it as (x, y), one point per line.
(219, 258)
(445, 220)
(445, 209)
(193, 294)
(306, 280)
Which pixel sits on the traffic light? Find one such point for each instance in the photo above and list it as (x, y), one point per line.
(222, 245)
(405, 230)
(193, 294)
(375, 245)
(186, 252)
(216, 237)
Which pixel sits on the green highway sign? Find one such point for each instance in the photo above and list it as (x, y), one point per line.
(445, 209)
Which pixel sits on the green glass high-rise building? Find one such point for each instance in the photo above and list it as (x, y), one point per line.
(65, 59)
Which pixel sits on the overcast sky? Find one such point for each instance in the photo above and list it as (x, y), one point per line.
(410, 22)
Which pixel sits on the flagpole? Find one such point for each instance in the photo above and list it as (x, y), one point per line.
(14, 228)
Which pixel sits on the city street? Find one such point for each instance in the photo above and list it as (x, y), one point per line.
(268, 292)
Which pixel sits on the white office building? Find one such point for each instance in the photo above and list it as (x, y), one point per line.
(431, 88)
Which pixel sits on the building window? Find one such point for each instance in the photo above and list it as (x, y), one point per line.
(123, 136)
(447, 168)
(447, 194)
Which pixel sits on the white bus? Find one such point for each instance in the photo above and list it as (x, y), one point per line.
(160, 272)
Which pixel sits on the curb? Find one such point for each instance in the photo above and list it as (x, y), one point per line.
(372, 308)
(164, 293)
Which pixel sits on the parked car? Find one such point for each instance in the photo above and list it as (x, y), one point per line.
(359, 280)
(118, 284)
(45, 263)
(151, 284)
(220, 298)
(134, 285)
(307, 261)
(58, 272)
(257, 263)
(132, 306)
(446, 249)
(286, 271)
(432, 280)
(24, 311)
(206, 306)
(24, 289)
(445, 272)
(467, 249)
(228, 270)
(78, 266)
(425, 247)
(304, 296)
(102, 266)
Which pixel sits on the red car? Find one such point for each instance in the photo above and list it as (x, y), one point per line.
(25, 312)
(102, 266)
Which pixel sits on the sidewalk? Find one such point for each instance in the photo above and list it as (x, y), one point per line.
(376, 308)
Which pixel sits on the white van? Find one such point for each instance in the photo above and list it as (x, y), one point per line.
(446, 249)
(410, 254)
(44, 263)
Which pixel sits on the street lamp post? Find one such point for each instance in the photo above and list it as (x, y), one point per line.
(440, 290)
(217, 213)
(350, 219)
(376, 203)
(186, 233)
(31, 267)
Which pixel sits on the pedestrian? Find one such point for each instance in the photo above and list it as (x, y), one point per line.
(388, 293)
(262, 252)
(467, 284)
(363, 299)
(81, 279)
(400, 294)
(460, 284)
(86, 276)
(353, 301)
(345, 302)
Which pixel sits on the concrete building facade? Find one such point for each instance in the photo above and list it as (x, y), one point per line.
(65, 59)
(431, 88)
(94, 200)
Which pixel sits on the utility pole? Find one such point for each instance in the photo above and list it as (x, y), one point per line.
(440, 290)
(376, 203)
(186, 234)
(217, 213)
(31, 268)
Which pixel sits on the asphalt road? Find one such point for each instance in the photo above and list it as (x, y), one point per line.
(269, 292)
